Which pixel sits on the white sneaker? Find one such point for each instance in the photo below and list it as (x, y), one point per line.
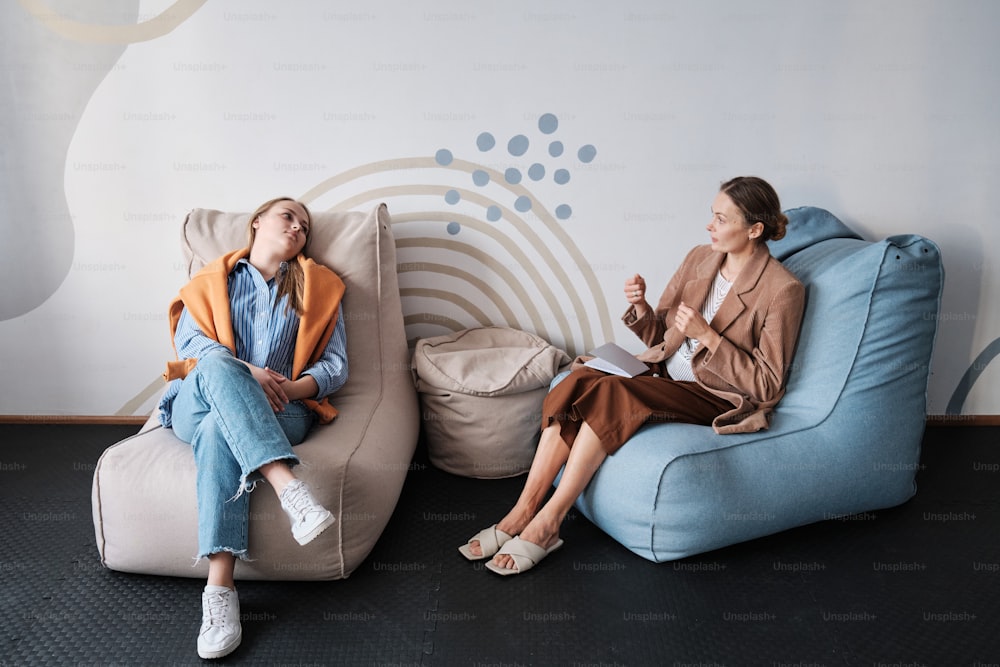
(308, 517)
(220, 632)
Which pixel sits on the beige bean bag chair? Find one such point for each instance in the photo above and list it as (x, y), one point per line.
(144, 504)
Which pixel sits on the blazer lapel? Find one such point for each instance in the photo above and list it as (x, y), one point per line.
(693, 294)
(733, 305)
(731, 308)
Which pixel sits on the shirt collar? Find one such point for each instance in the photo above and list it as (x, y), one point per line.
(282, 268)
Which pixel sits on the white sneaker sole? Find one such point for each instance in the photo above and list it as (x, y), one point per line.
(221, 652)
(315, 532)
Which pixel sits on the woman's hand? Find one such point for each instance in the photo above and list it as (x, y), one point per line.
(635, 294)
(692, 324)
(272, 383)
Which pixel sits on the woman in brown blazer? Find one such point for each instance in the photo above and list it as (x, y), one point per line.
(720, 343)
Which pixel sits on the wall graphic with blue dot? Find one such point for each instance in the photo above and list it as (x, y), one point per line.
(485, 250)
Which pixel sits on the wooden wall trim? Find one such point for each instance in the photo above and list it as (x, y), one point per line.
(114, 420)
(962, 420)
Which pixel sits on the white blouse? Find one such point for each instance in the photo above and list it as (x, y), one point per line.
(679, 364)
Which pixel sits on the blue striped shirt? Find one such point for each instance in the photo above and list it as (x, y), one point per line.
(264, 331)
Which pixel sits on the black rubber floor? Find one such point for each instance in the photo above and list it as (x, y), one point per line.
(916, 585)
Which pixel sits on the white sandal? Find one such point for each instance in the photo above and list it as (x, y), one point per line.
(525, 555)
(490, 540)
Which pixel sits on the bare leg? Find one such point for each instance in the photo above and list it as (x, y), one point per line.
(585, 458)
(278, 474)
(220, 569)
(550, 455)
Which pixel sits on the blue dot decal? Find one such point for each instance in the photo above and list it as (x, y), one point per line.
(485, 141)
(515, 178)
(518, 145)
(443, 157)
(548, 123)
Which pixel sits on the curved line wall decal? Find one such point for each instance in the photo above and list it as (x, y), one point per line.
(535, 242)
(957, 400)
(490, 262)
(495, 297)
(515, 251)
(136, 402)
(553, 302)
(449, 297)
(431, 318)
(96, 33)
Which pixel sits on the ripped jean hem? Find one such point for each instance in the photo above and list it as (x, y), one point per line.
(241, 554)
(248, 482)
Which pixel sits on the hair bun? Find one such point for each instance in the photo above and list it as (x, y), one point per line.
(780, 223)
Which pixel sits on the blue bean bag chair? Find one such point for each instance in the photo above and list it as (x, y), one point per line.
(845, 439)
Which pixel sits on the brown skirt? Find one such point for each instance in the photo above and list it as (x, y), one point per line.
(616, 407)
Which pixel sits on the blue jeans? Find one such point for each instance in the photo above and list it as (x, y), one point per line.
(221, 410)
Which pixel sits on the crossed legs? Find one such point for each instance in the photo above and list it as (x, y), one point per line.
(236, 439)
(222, 564)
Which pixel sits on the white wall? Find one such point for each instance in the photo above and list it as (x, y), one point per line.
(119, 119)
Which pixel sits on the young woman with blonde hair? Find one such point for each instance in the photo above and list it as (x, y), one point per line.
(261, 344)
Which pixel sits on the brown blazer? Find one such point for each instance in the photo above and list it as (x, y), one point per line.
(759, 323)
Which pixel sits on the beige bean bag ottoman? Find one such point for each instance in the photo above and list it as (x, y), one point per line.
(144, 504)
(481, 393)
